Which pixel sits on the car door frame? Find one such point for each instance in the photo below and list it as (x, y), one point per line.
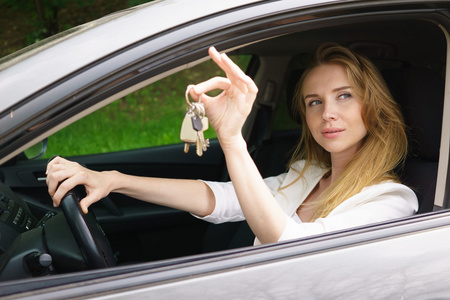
(195, 271)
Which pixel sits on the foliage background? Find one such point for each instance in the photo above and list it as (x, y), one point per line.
(148, 117)
(151, 116)
(24, 22)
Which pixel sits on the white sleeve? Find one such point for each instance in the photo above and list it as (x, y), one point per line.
(227, 208)
(391, 204)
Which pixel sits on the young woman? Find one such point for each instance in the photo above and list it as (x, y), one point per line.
(340, 176)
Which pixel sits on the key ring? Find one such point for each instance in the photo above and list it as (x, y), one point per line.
(196, 107)
(191, 86)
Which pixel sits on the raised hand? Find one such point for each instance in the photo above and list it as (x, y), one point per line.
(228, 111)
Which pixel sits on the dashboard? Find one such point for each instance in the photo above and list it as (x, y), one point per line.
(15, 217)
(30, 247)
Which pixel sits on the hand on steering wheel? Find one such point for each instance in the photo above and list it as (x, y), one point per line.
(91, 240)
(64, 175)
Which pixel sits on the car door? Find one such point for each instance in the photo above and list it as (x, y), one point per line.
(328, 266)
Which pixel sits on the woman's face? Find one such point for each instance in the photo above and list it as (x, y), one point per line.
(333, 111)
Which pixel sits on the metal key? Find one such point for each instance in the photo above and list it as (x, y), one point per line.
(200, 125)
(193, 133)
(187, 134)
(205, 142)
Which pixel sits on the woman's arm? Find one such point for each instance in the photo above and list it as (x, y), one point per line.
(263, 214)
(188, 195)
(227, 114)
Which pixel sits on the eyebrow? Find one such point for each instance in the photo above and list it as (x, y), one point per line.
(334, 90)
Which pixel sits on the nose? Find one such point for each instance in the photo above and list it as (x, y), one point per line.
(329, 112)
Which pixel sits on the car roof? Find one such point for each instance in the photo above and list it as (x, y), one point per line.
(28, 71)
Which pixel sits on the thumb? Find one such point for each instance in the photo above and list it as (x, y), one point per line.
(84, 207)
(217, 82)
(86, 202)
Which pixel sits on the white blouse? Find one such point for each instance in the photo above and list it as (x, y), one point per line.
(376, 203)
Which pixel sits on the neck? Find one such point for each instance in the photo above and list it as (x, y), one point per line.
(338, 164)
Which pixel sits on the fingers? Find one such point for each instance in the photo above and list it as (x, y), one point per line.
(54, 176)
(233, 72)
(86, 202)
(62, 176)
(64, 187)
(84, 207)
(235, 77)
(207, 86)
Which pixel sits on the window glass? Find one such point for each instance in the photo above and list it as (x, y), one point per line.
(151, 116)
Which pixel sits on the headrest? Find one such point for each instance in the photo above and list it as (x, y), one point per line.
(291, 88)
(420, 93)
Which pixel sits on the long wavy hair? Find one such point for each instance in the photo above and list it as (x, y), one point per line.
(382, 149)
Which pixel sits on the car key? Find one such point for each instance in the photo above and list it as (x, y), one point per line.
(200, 125)
(187, 134)
(204, 142)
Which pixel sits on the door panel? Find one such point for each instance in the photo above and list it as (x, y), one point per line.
(154, 232)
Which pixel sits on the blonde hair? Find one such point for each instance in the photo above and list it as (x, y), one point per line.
(382, 149)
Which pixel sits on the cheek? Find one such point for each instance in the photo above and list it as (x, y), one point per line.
(357, 114)
(309, 121)
(311, 118)
(313, 125)
(359, 124)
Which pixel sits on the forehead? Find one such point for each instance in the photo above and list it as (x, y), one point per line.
(325, 77)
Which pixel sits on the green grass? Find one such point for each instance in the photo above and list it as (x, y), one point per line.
(149, 117)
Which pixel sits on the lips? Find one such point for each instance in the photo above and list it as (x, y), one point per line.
(332, 132)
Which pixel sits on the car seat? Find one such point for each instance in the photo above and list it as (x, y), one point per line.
(420, 93)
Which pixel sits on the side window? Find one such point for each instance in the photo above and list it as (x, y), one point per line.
(148, 117)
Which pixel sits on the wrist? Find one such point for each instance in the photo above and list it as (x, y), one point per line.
(233, 144)
(111, 180)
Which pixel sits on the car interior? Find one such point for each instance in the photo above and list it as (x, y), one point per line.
(411, 55)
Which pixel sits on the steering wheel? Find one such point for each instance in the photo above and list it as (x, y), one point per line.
(91, 239)
(88, 234)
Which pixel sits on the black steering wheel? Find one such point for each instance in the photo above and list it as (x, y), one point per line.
(91, 239)
(88, 234)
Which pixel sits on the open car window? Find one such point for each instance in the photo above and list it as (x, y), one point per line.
(148, 117)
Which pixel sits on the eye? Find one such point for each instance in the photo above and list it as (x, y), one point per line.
(314, 102)
(345, 96)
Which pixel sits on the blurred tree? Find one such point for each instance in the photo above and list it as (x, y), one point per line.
(47, 14)
(24, 22)
(44, 15)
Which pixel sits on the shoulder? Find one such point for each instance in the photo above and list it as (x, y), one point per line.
(387, 187)
(387, 199)
(388, 192)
